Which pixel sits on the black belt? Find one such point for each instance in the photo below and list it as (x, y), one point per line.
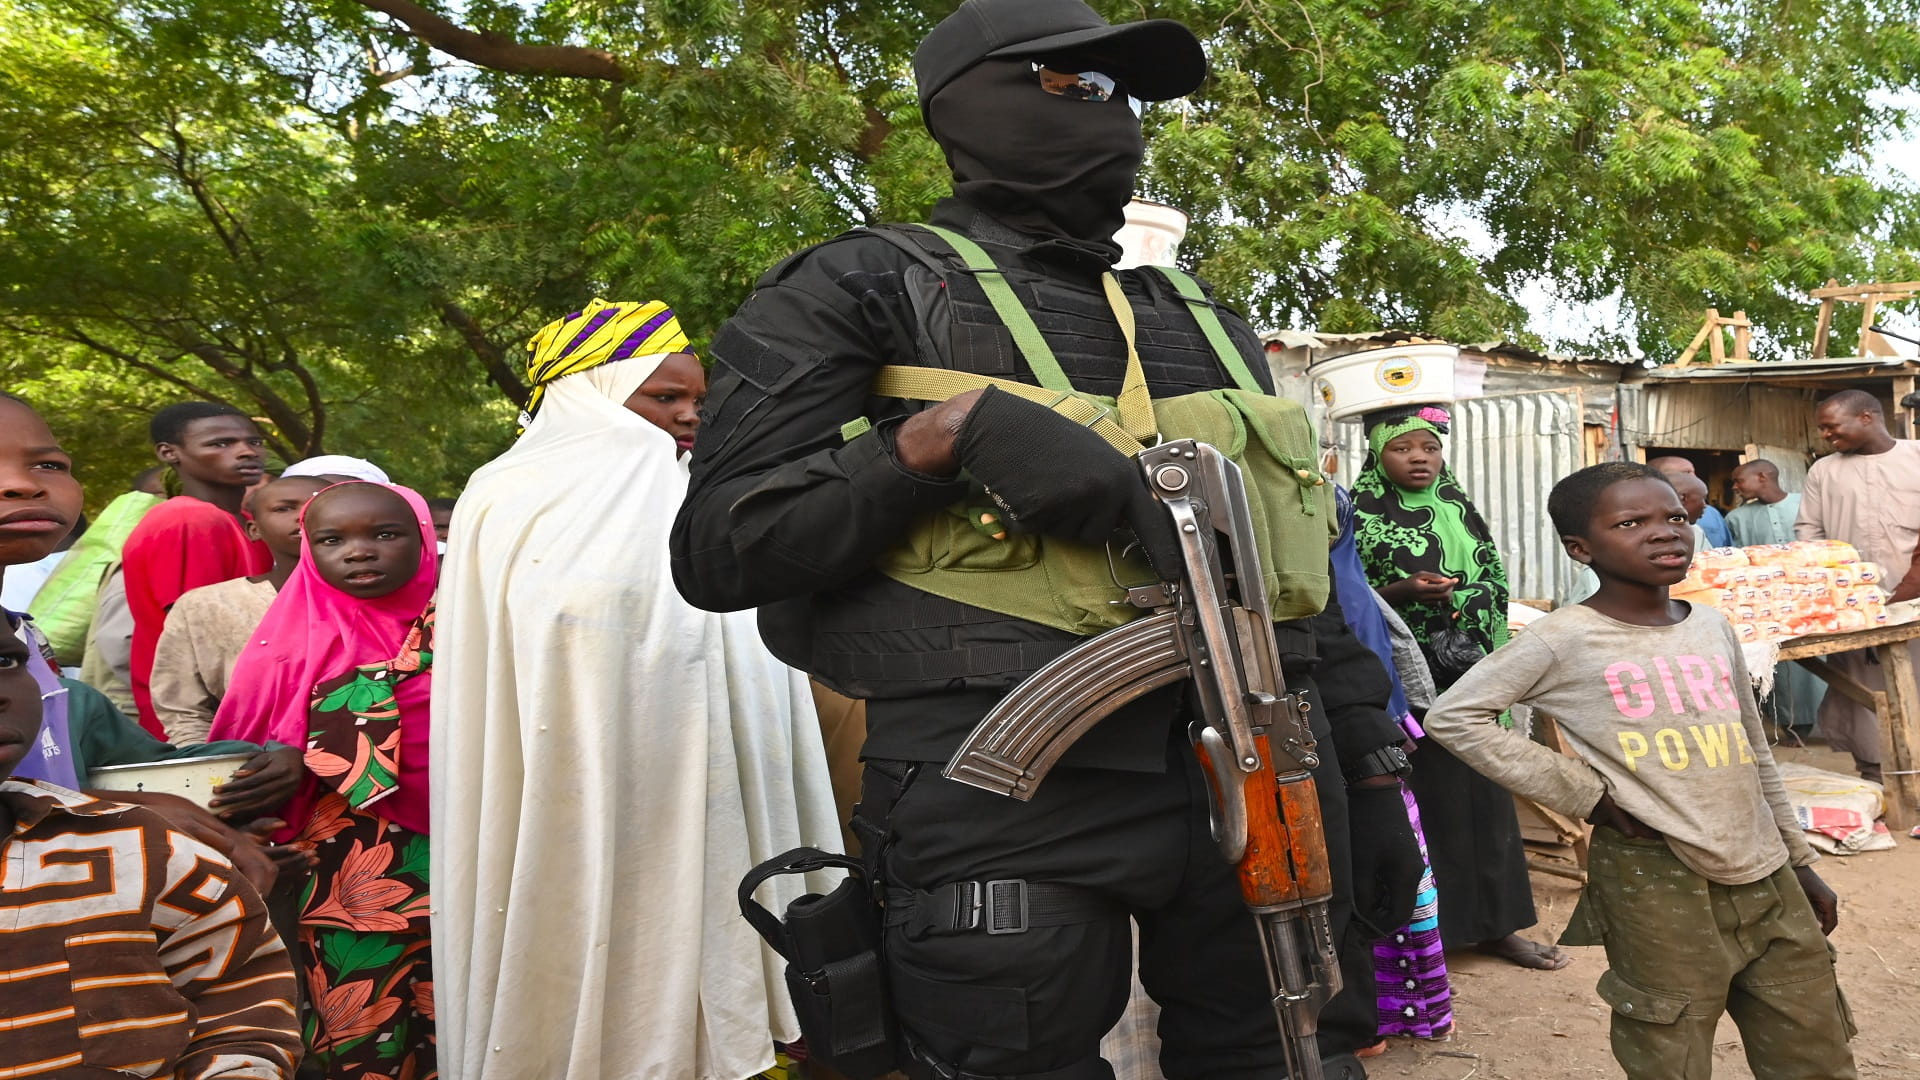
(1004, 906)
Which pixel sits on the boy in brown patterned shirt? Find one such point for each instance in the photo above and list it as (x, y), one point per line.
(126, 946)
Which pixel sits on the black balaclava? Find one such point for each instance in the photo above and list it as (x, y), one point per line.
(1043, 164)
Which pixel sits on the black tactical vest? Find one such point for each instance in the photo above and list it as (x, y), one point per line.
(878, 638)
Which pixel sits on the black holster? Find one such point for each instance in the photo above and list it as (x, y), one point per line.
(834, 970)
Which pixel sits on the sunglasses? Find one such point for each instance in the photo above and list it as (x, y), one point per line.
(1083, 86)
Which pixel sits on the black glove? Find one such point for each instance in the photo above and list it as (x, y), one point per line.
(1050, 475)
(1386, 858)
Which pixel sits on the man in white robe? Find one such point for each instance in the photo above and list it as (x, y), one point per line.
(1867, 494)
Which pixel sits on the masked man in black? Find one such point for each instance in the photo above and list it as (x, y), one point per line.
(803, 478)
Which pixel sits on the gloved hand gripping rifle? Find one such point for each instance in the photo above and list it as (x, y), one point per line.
(1212, 625)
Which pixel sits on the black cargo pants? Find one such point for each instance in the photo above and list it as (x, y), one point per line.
(1129, 846)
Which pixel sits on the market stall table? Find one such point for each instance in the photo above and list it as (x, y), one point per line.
(1898, 706)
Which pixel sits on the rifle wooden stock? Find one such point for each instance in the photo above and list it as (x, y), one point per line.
(1284, 865)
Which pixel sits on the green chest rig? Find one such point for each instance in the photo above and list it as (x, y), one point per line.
(962, 552)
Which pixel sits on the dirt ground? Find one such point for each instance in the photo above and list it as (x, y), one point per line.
(1512, 1024)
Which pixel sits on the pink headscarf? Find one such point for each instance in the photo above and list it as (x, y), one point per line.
(313, 633)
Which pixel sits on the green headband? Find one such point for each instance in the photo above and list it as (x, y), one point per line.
(1382, 434)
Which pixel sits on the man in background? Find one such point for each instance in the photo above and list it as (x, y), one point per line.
(442, 511)
(1766, 517)
(196, 537)
(1867, 494)
(1693, 496)
(1712, 523)
(1767, 510)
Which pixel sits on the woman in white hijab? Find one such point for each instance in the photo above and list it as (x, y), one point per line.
(608, 761)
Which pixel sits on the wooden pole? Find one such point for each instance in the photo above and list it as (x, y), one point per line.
(1855, 292)
(1716, 341)
(1872, 344)
(1742, 332)
(1910, 415)
(1901, 724)
(1693, 347)
(1822, 331)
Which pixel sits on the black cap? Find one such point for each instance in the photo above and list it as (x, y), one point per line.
(1157, 59)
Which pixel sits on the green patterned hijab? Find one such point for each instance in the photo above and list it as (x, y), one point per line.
(1402, 532)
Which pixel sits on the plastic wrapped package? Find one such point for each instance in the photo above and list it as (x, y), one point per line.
(1858, 597)
(1816, 576)
(1833, 552)
(1728, 577)
(1713, 598)
(1713, 558)
(1803, 554)
(1852, 619)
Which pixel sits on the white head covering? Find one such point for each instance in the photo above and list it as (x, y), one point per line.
(595, 400)
(339, 465)
(576, 693)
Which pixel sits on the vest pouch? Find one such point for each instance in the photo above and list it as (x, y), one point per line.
(1272, 442)
(959, 539)
(1042, 579)
(835, 974)
(953, 553)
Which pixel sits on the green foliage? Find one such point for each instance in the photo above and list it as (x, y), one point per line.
(309, 210)
(1674, 154)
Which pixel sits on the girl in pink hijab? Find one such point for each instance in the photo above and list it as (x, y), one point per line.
(342, 665)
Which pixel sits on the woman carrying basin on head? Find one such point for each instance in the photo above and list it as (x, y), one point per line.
(1429, 553)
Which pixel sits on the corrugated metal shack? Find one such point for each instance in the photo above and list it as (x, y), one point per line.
(1524, 419)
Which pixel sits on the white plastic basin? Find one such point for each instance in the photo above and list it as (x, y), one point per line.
(1363, 382)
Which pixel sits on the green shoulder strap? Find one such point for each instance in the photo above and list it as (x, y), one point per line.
(1038, 354)
(1209, 321)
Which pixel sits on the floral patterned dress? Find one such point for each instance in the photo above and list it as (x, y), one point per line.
(364, 949)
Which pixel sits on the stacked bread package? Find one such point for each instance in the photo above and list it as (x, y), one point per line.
(1776, 591)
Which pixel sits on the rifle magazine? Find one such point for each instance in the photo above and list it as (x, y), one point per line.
(1011, 751)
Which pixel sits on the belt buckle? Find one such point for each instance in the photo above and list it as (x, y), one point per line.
(966, 906)
(988, 919)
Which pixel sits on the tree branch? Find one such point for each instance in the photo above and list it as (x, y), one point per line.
(499, 371)
(80, 337)
(298, 431)
(868, 142)
(499, 53)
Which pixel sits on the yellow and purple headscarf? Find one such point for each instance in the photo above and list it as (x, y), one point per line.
(600, 333)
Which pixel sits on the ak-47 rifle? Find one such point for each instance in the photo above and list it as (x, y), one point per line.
(1213, 625)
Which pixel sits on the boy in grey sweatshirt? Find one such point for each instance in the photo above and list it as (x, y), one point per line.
(1699, 882)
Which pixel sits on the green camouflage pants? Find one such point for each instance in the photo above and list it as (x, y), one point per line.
(1681, 950)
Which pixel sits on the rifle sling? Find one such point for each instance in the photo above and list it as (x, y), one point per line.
(939, 384)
